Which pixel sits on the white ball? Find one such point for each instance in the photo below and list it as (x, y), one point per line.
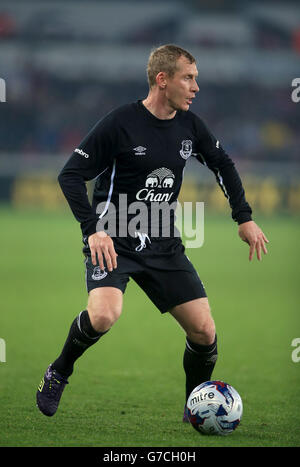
(215, 408)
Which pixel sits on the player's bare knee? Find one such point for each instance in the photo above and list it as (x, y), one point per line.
(103, 316)
(203, 333)
(104, 308)
(202, 329)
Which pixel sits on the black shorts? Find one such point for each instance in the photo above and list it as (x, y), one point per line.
(160, 268)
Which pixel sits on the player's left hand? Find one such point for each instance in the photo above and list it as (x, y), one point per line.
(254, 236)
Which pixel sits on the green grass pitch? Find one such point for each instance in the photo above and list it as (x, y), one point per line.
(128, 390)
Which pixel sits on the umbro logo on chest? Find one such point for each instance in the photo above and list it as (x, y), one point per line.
(140, 151)
(185, 151)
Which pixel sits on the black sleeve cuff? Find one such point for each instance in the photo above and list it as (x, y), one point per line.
(243, 217)
(89, 227)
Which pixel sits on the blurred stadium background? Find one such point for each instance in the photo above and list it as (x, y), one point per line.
(67, 63)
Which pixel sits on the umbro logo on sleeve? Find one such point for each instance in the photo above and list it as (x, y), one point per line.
(80, 151)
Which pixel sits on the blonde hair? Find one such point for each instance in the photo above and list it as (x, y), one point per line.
(164, 58)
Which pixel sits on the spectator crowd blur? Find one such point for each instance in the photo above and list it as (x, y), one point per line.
(59, 84)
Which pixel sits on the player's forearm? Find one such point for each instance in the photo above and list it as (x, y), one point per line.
(75, 191)
(231, 184)
(216, 159)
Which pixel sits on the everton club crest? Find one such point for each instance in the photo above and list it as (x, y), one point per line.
(186, 148)
(98, 274)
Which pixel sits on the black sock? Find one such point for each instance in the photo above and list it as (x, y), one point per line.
(198, 362)
(81, 336)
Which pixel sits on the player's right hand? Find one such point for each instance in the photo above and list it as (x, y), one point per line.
(101, 245)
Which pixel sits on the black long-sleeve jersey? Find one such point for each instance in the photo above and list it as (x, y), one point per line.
(131, 152)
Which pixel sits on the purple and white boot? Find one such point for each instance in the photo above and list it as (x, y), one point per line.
(50, 391)
(185, 417)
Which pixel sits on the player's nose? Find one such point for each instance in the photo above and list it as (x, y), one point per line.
(195, 87)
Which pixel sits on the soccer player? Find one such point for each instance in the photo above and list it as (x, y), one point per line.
(137, 153)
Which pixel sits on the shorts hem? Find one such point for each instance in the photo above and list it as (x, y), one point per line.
(98, 286)
(180, 302)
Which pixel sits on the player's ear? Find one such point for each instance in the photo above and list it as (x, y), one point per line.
(161, 80)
